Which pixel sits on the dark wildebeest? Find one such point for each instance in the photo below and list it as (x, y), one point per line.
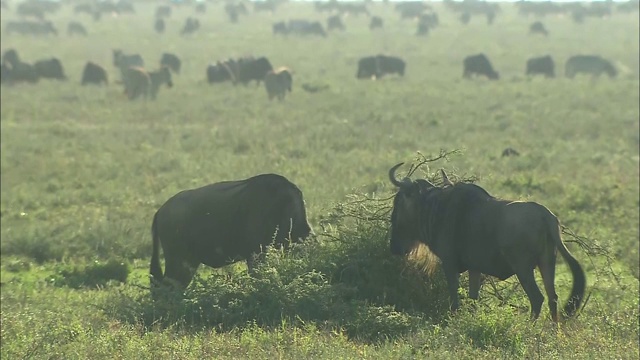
(11, 56)
(159, 25)
(225, 222)
(278, 82)
(172, 61)
(253, 69)
(305, 27)
(589, 64)
(123, 61)
(76, 28)
(19, 72)
(538, 28)
(510, 152)
(334, 22)
(376, 22)
(280, 28)
(390, 65)
(480, 65)
(465, 18)
(470, 230)
(94, 74)
(28, 27)
(191, 25)
(543, 65)
(50, 69)
(220, 72)
(367, 68)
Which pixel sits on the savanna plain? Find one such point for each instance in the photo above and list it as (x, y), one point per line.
(84, 169)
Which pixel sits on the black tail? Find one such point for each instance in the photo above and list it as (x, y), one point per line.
(155, 269)
(579, 278)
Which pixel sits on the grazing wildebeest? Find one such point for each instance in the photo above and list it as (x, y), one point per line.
(465, 18)
(589, 64)
(470, 230)
(377, 66)
(76, 28)
(480, 65)
(538, 28)
(220, 72)
(305, 27)
(172, 61)
(510, 152)
(280, 28)
(278, 82)
(28, 27)
(123, 61)
(543, 65)
(50, 69)
(140, 82)
(94, 74)
(334, 22)
(19, 72)
(191, 25)
(376, 22)
(225, 222)
(253, 69)
(159, 25)
(11, 56)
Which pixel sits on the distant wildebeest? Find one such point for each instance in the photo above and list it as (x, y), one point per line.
(266, 6)
(480, 65)
(304, 27)
(10, 56)
(50, 69)
(233, 11)
(470, 230)
(28, 27)
(280, 28)
(510, 152)
(538, 28)
(163, 11)
(19, 72)
(223, 223)
(159, 25)
(376, 22)
(76, 28)
(278, 82)
(465, 18)
(589, 64)
(377, 66)
(140, 82)
(94, 74)
(123, 61)
(543, 65)
(191, 25)
(252, 69)
(334, 22)
(172, 61)
(219, 72)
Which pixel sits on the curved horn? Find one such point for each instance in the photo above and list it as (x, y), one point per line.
(392, 176)
(445, 178)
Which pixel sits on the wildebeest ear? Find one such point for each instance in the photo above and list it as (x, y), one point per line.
(445, 178)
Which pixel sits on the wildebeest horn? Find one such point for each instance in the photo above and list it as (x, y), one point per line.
(445, 178)
(392, 177)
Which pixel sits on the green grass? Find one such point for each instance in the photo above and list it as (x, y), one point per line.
(83, 171)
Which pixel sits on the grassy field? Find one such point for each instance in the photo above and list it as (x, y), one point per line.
(83, 171)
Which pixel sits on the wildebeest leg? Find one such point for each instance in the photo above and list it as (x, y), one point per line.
(474, 284)
(528, 282)
(453, 282)
(548, 271)
(180, 271)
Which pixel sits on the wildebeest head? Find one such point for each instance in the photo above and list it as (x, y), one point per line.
(407, 209)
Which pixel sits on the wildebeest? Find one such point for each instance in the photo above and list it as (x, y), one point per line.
(123, 61)
(542, 65)
(470, 230)
(249, 69)
(163, 11)
(225, 222)
(76, 28)
(50, 69)
(19, 72)
(465, 18)
(140, 82)
(538, 28)
(11, 56)
(305, 27)
(219, 72)
(280, 28)
(159, 25)
(510, 152)
(376, 22)
(172, 61)
(588, 64)
(191, 25)
(334, 22)
(480, 65)
(200, 8)
(379, 65)
(278, 82)
(94, 74)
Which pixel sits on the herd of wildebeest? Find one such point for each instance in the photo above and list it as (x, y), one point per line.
(139, 81)
(226, 222)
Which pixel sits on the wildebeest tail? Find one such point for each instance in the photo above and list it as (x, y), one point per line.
(579, 279)
(155, 269)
